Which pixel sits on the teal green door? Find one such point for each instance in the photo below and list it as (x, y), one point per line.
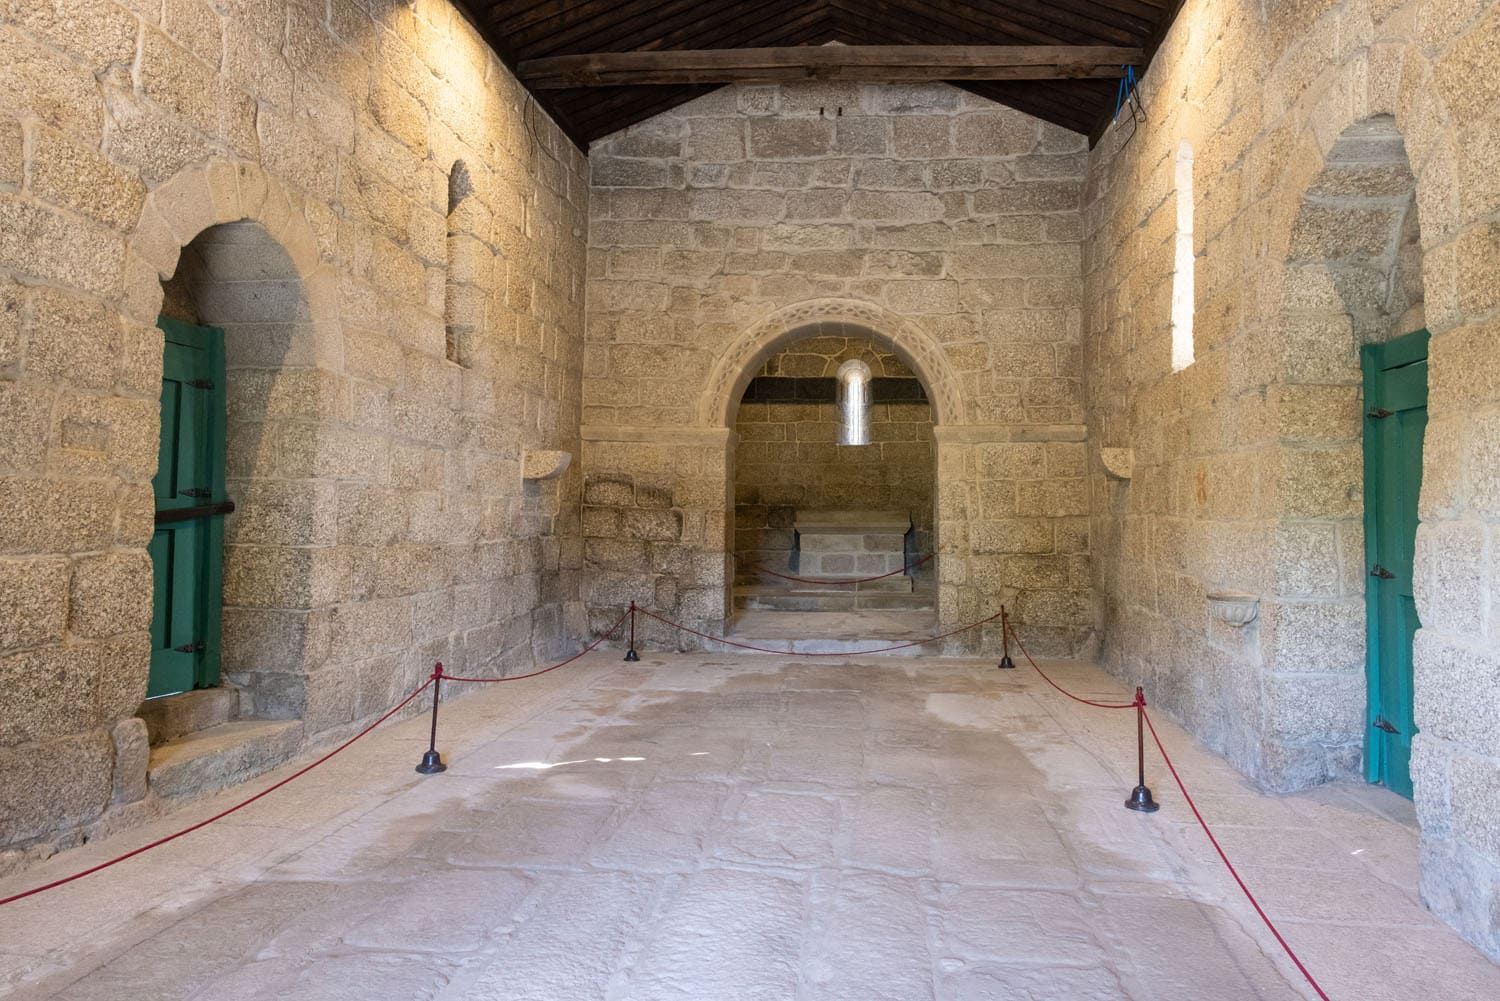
(1395, 382)
(188, 545)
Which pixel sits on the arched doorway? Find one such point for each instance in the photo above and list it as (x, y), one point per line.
(1353, 412)
(237, 495)
(834, 479)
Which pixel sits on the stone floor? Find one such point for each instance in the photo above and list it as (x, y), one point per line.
(744, 828)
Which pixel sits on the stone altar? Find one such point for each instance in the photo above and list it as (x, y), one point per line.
(852, 544)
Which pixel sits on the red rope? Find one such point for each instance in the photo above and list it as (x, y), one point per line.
(844, 580)
(1228, 864)
(1088, 702)
(1140, 704)
(856, 653)
(218, 816)
(304, 770)
(536, 674)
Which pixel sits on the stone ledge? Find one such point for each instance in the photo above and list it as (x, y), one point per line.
(853, 522)
(1119, 463)
(978, 434)
(544, 465)
(668, 436)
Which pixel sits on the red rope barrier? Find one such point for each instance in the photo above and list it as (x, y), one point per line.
(536, 674)
(1088, 702)
(221, 815)
(1230, 865)
(857, 653)
(1140, 705)
(305, 769)
(858, 580)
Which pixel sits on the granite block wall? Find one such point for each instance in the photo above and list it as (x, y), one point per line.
(933, 224)
(1343, 175)
(301, 152)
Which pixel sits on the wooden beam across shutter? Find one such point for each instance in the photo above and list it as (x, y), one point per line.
(872, 63)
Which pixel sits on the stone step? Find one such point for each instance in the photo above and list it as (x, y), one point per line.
(833, 600)
(901, 584)
(851, 632)
(175, 715)
(220, 756)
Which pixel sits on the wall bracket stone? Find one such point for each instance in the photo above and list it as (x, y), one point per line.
(1119, 463)
(544, 465)
(1238, 608)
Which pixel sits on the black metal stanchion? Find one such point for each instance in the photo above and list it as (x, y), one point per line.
(1140, 797)
(1005, 662)
(631, 655)
(432, 761)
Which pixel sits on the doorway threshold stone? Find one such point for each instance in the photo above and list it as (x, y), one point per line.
(209, 760)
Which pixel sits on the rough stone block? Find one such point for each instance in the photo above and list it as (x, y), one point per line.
(38, 242)
(132, 755)
(994, 133)
(35, 81)
(73, 340)
(111, 594)
(74, 788)
(1322, 482)
(56, 516)
(787, 138)
(33, 601)
(1317, 636)
(102, 436)
(12, 152)
(67, 174)
(52, 692)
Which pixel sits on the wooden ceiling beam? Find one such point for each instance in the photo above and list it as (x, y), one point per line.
(875, 63)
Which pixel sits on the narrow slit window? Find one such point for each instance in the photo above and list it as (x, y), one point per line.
(460, 186)
(1182, 269)
(854, 403)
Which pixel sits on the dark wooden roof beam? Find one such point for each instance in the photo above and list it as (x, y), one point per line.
(877, 63)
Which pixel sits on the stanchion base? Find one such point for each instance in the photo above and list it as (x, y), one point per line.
(1140, 800)
(631, 656)
(432, 763)
(1006, 664)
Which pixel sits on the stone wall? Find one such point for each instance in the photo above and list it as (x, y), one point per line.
(383, 522)
(787, 458)
(1312, 125)
(942, 227)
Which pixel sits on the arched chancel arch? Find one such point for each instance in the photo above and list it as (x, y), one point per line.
(737, 365)
(746, 355)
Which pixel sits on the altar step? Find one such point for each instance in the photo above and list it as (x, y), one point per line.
(815, 598)
(860, 631)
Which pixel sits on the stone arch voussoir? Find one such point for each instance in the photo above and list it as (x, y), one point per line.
(738, 363)
(213, 193)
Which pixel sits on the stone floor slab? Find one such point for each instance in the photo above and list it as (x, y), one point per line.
(728, 827)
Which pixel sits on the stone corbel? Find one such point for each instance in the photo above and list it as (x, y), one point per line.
(1119, 463)
(544, 465)
(1238, 608)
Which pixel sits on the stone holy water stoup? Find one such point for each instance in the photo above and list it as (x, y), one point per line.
(1238, 608)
